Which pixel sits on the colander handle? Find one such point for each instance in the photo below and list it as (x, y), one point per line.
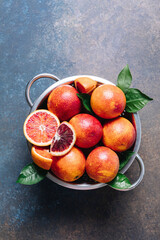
(42, 75)
(142, 171)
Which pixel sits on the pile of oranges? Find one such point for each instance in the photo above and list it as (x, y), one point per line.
(69, 140)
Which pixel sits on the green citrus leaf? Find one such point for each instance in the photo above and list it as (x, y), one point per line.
(85, 101)
(135, 100)
(31, 174)
(124, 158)
(120, 182)
(124, 79)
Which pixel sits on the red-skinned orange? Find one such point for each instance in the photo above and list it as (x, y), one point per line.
(102, 164)
(88, 130)
(118, 134)
(108, 101)
(64, 102)
(69, 167)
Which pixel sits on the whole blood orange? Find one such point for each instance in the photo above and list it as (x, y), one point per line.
(64, 102)
(69, 167)
(42, 157)
(88, 130)
(108, 101)
(63, 140)
(40, 127)
(118, 134)
(102, 164)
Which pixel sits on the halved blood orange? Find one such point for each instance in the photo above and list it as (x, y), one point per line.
(40, 127)
(63, 140)
(41, 157)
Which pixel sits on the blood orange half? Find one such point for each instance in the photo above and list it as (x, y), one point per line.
(40, 127)
(63, 140)
(41, 157)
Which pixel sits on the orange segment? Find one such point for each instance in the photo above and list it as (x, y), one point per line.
(63, 140)
(40, 127)
(41, 157)
(85, 84)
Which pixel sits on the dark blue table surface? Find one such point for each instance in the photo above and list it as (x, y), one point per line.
(69, 38)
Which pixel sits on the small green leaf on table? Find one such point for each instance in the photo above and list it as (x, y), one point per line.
(120, 182)
(124, 158)
(135, 100)
(31, 174)
(86, 101)
(124, 79)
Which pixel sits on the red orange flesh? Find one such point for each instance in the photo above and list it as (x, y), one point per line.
(63, 140)
(85, 84)
(40, 127)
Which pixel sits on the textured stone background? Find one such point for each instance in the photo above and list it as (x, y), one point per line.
(68, 38)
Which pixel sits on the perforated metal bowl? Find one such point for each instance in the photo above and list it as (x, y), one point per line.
(85, 185)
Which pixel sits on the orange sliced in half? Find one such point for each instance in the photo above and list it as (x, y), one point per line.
(63, 140)
(40, 127)
(41, 157)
